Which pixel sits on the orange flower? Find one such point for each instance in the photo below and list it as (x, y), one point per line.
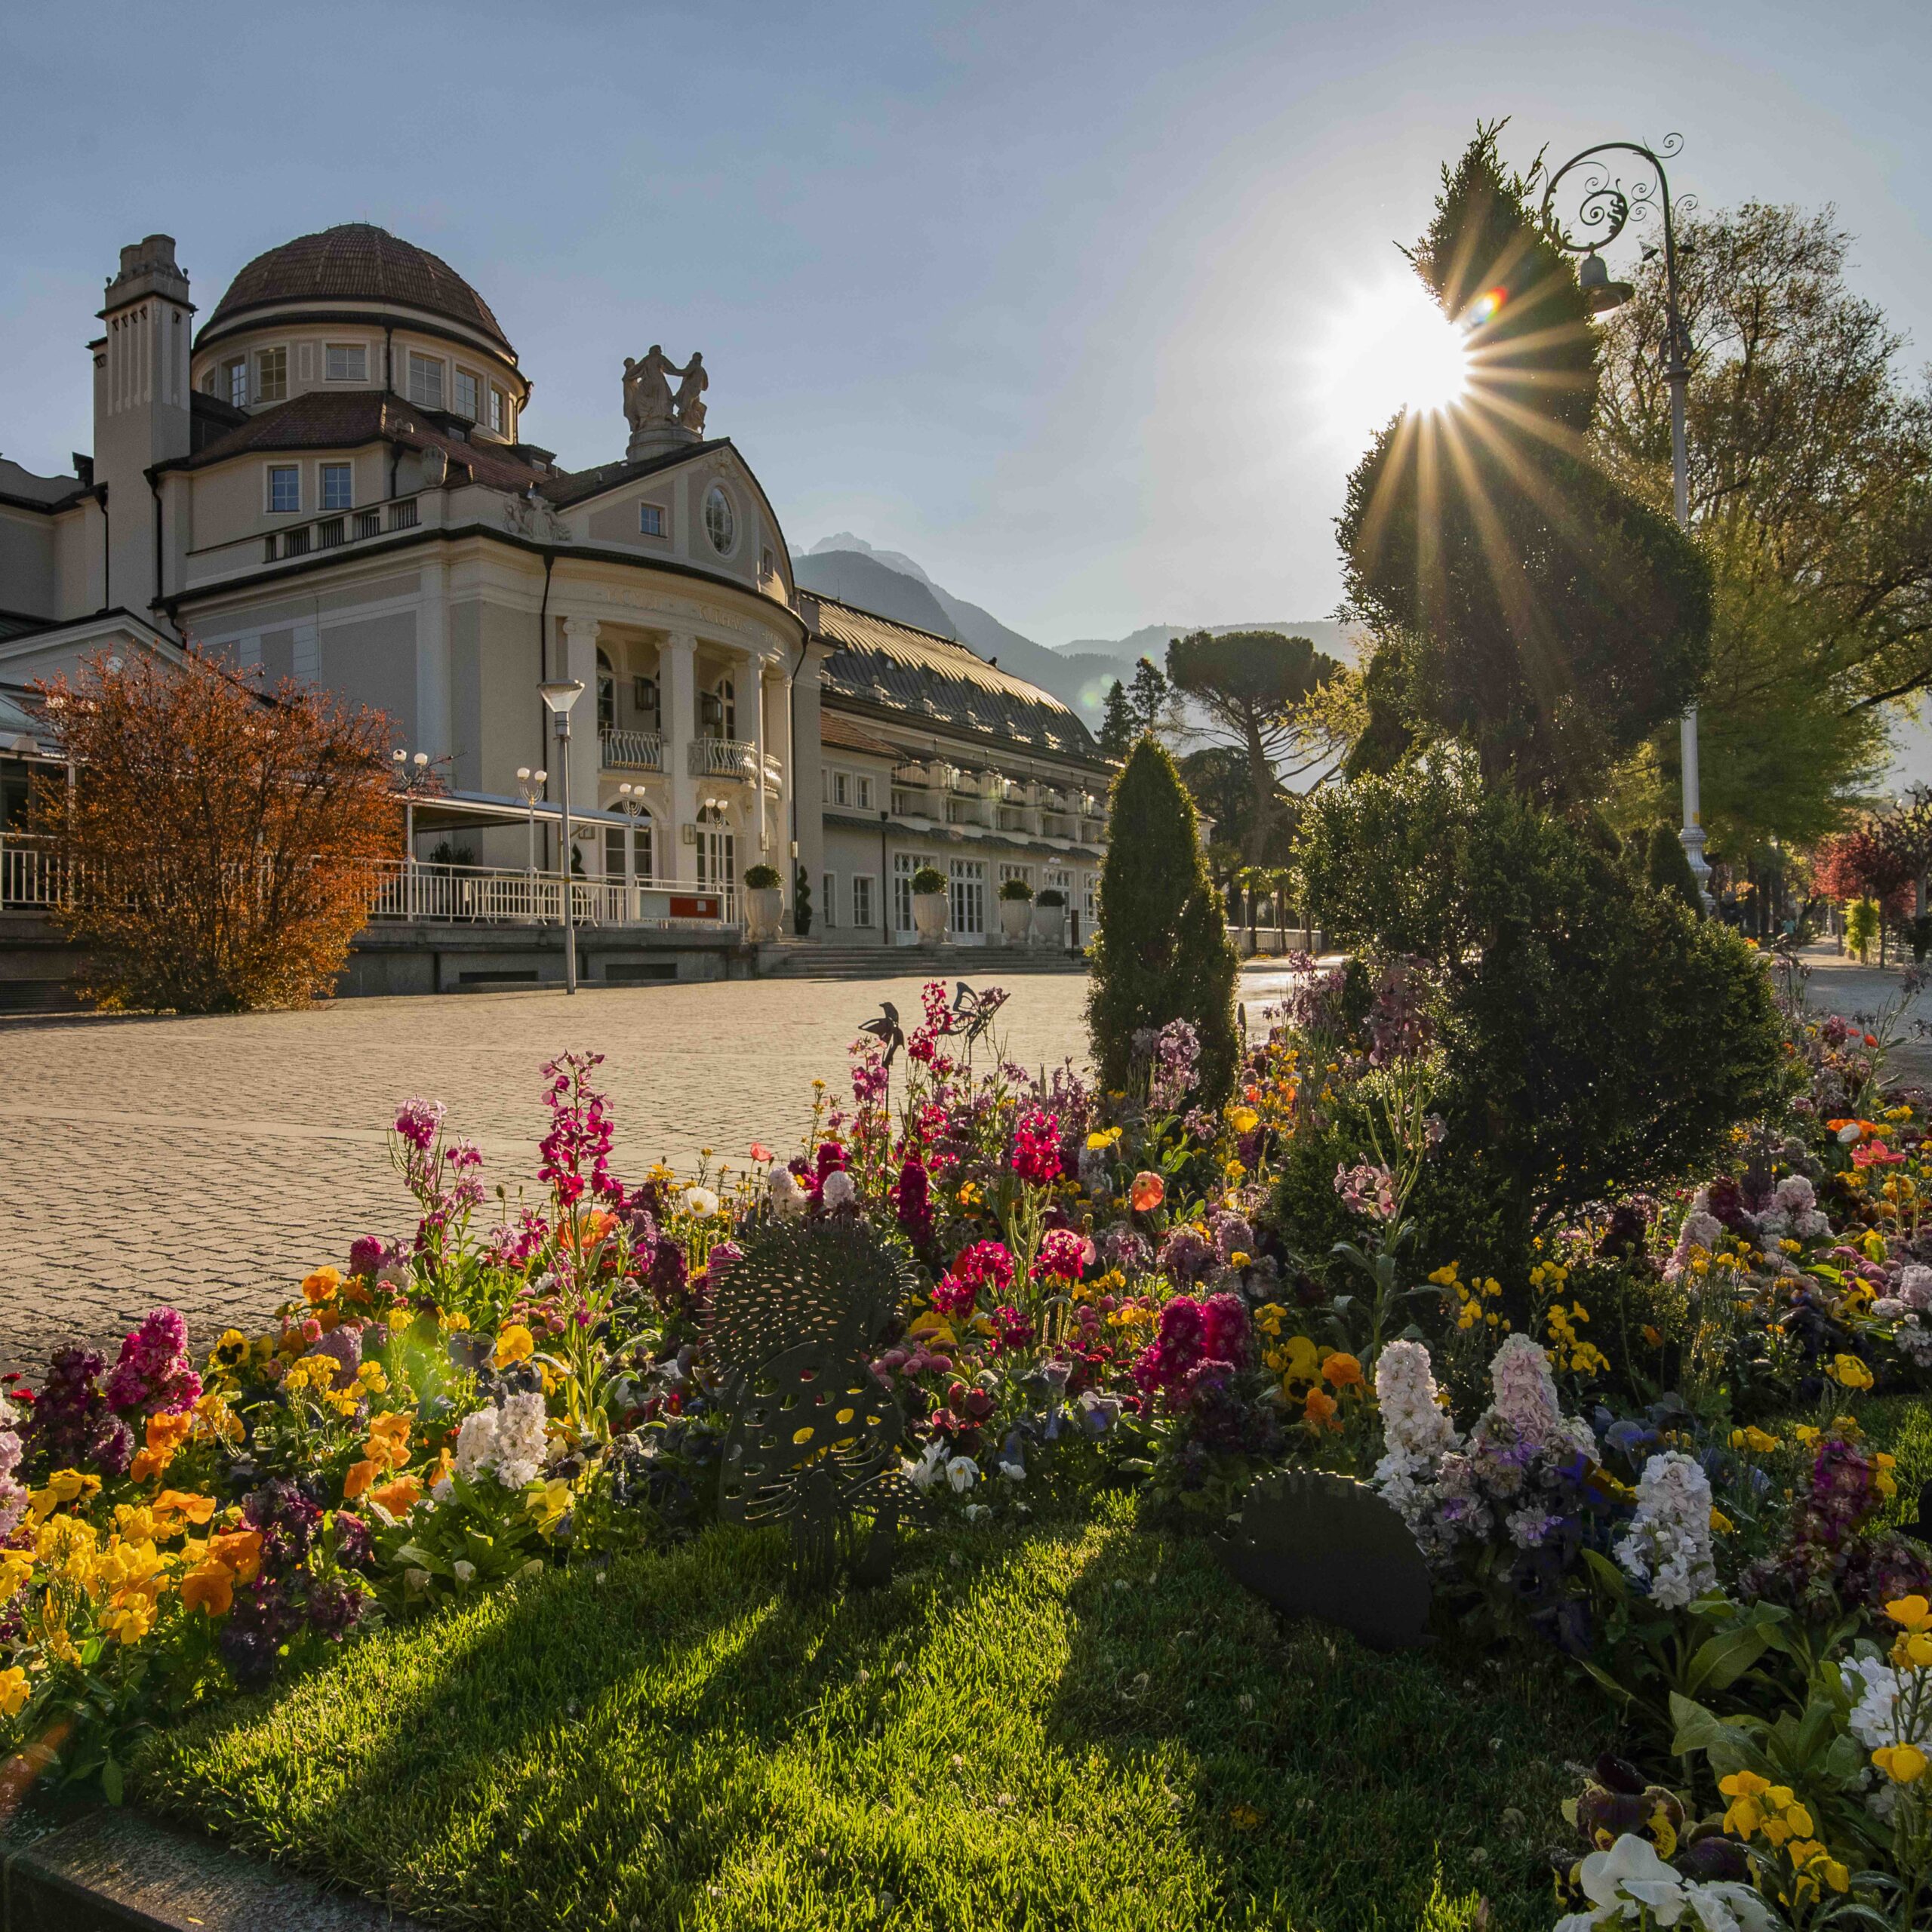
(239, 1550)
(1343, 1371)
(400, 1496)
(321, 1285)
(388, 1445)
(1319, 1410)
(587, 1230)
(209, 1586)
(360, 1476)
(186, 1502)
(1147, 1193)
(166, 1433)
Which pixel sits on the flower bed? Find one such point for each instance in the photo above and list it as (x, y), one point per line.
(1632, 1450)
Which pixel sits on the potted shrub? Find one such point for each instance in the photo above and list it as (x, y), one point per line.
(763, 903)
(929, 904)
(1016, 911)
(801, 903)
(1050, 916)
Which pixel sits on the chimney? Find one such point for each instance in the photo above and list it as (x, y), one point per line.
(140, 405)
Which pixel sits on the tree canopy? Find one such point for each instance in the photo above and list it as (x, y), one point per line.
(1523, 599)
(1252, 690)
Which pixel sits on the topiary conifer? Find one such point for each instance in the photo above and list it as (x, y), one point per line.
(1161, 953)
(1667, 866)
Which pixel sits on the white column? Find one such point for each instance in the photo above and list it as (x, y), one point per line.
(757, 668)
(677, 683)
(586, 754)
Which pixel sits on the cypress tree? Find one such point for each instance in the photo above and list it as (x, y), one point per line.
(1161, 953)
(1668, 867)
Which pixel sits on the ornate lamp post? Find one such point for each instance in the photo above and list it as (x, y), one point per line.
(412, 774)
(1604, 208)
(559, 696)
(632, 803)
(529, 789)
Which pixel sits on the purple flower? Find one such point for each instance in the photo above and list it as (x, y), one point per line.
(334, 1609)
(71, 1424)
(417, 1121)
(1185, 1257)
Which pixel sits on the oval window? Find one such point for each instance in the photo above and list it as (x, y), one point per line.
(718, 522)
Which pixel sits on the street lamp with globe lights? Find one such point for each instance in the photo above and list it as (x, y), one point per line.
(412, 776)
(558, 696)
(1604, 207)
(529, 789)
(633, 804)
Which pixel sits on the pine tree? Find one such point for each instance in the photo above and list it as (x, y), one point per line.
(1161, 953)
(1116, 732)
(1668, 867)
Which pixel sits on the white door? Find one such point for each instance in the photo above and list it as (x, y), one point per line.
(717, 861)
(969, 900)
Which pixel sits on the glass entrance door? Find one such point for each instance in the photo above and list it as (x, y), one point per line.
(969, 899)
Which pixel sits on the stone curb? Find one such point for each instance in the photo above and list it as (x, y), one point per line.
(114, 1871)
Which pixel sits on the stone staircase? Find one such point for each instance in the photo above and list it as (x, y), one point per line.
(830, 959)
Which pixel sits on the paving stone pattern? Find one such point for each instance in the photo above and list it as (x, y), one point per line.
(210, 1163)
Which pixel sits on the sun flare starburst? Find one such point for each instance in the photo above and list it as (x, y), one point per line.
(1388, 349)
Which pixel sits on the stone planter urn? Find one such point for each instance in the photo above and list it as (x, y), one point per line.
(764, 912)
(929, 910)
(1016, 920)
(1049, 924)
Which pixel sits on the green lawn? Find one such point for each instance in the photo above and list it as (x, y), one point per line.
(1083, 1726)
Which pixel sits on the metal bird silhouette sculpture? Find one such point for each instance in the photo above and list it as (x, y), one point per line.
(886, 1028)
(814, 1437)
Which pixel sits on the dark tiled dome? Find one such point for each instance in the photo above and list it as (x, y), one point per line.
(356, 261)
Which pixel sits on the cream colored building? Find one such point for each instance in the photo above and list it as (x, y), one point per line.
(331, 479)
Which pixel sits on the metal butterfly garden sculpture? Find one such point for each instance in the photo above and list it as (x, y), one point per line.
(814, 1438)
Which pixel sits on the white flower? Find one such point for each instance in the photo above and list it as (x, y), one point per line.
(1668, 1546)
(466, 1571)
(1525, 1392)
(441, 1491)
(788, 1198)
(924, 1473)
(837, 1190)
(700, 1203)
(522, 1439)
(1850, 1133)
(1414, 1422)
(415, 1580)
(476, 1444)
(1630, 1885)
(974, 1510)
(962, 1472)
(1914, 1287)
(1013, 1472)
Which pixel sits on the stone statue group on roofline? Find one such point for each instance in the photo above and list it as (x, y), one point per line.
(648, 402)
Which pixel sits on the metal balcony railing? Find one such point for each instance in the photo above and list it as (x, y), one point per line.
(633, 751)
(722, 757)
(480, 895)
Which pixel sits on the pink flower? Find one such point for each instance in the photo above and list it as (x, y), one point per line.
(1063, 1256)
(1011, 1330)
(986, 1264)
(760, 1151)
(1036, 1147)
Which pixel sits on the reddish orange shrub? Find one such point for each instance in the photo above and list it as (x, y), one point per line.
(220, 843)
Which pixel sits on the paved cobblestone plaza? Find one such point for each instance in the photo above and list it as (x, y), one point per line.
(209, 1163)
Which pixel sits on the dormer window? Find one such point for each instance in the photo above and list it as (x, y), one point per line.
(465, 394)
(499, 413)
(271, 375)
(426, 381)
(284, 488)
(338, 486)
(345, 362)
(651, 519)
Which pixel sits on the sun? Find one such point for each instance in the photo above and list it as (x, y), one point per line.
(1389, 349)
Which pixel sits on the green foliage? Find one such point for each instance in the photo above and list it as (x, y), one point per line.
(1217, 778)
(1051, 897)
(1015, 889)
(1251, 686)
(1082, 1726)
(1116, 733)
(1667, 866)
(1596, 1036)
(761, 878)
(928, 879)
(1546, 617)
(801, 902)
(1861, 925)
(1161, 951)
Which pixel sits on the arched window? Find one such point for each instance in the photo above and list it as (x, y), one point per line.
(607, 694)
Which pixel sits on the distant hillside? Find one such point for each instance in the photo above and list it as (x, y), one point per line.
(1079, 673)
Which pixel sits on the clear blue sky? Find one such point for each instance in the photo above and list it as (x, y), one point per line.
(1046, 295)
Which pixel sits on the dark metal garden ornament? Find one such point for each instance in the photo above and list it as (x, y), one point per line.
(973, 1012)
(1326, 1546)
(887, 1029)
(814, 1437)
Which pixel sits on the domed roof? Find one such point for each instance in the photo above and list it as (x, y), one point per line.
(357, 260)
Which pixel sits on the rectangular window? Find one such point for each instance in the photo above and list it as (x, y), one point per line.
(238, 384)
(345, 362)
(651, 519)
(644, 703)
(465, 394)
(499, 412)
(426, 381)
(862, 791)
(862, 899)
(829, 898)
(284, 487)
(271, 375)
(338, 486)
(969, 897)
(904, 865)
(841, 788)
